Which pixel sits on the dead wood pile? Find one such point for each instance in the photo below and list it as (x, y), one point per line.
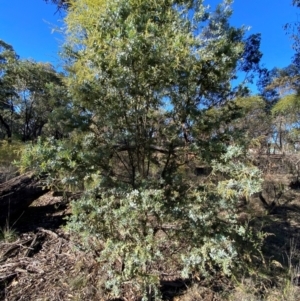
(17, 194)
(36, 265)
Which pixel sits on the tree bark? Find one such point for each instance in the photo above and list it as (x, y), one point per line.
(16, 195)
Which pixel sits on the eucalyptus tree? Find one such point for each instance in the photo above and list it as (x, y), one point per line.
(143, 76)
(286, 123)
(291, 73)
(8, 61)
(283, 85)
(285, 80)
(294, 29)
(37, 89)
(31, 94)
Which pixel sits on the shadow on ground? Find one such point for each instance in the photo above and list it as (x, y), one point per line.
(40, 217)
(283, 241)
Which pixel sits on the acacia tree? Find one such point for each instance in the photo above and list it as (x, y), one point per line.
(142, 76)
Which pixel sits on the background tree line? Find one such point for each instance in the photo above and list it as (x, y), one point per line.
(31, 96)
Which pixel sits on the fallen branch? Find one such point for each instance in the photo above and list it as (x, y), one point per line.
(16, 195)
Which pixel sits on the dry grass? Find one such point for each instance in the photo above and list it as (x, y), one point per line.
(247, 291)
(8, 234)
(198, 293)
(9, 152)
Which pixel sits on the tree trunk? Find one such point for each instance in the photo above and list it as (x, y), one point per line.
(16, 195)
(7, 128)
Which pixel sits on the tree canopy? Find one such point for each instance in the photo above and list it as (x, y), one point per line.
(29, 93)
(152, 97)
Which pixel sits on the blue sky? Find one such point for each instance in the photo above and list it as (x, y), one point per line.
(28, 27)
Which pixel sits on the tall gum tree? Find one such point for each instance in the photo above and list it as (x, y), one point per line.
(8, 61)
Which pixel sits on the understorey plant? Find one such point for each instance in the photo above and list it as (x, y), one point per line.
(141, 234)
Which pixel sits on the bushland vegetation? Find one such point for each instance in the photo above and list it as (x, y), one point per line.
(167, 156)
